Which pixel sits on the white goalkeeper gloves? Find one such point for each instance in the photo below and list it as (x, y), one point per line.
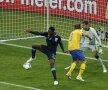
(100, 50)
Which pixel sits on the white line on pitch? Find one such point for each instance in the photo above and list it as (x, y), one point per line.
(57, 52)
(21, 86)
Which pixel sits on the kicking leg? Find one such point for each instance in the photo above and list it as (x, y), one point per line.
(34, 48)
(72, 67)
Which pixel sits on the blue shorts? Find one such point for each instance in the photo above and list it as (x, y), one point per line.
(51, 55)
(77, 55)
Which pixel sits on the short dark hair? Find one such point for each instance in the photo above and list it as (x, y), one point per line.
(52, 28)
(77, 26)
(85, 22)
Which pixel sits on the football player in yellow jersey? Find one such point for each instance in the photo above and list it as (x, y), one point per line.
(75, 51)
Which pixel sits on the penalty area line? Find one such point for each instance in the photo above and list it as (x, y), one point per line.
(21, 86)
(57, 52)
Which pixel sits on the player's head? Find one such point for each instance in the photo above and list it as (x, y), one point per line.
(77, 26)
(85, 25)
(51, 30)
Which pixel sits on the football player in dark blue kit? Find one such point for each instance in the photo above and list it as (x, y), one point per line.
(52, 40)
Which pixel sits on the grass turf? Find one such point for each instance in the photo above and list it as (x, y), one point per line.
(39, 76)
(12, 23)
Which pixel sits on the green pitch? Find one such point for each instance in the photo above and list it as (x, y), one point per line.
(40, 76)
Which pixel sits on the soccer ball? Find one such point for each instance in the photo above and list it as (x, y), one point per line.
(26, 66)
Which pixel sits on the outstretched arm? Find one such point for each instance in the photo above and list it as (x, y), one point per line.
(36, 32)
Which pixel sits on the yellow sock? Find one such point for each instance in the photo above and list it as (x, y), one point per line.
(82, 68)
(73, 65)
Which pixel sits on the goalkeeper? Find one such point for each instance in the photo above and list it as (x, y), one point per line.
(52, 40)
(94, 44)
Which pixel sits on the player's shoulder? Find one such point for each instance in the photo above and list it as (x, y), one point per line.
(79, 31)
(56, 35)
(82, 30)
(76, 30)
(92, 29)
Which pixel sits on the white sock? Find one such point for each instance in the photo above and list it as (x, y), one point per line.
(101, 63)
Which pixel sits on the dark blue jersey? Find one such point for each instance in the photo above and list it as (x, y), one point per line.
(51, 40)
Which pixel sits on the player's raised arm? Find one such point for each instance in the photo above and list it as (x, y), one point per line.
(36, 32)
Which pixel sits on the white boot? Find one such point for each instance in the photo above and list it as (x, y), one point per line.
(66, 68)
(31, 59)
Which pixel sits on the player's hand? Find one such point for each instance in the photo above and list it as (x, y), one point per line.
(66, 51)
(100, 46)
(100, 50)
(27, 30)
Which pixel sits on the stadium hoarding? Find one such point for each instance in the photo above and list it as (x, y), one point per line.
(95, 10)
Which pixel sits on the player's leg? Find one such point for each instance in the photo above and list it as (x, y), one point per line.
(51, 58)
(80, 56)
(81, 71)
(95, 53)
(72, 67)
(53, 70)
(74, 54)
(83, 48)
(34, 48)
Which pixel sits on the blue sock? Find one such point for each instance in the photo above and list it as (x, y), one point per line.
(33, 52)
(54, 73)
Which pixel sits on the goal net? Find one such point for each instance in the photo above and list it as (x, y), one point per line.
(17, 15)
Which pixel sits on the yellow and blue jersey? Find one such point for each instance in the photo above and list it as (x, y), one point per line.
(74, 40)
(74, 45)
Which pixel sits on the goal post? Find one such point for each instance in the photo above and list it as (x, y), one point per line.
(16, 15)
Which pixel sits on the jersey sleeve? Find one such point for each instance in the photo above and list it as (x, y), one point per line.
(60, 43)
(97, 37)
(39, 33)
(58, 39)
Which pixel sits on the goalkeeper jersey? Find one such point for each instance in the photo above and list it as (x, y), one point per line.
(93, 34)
